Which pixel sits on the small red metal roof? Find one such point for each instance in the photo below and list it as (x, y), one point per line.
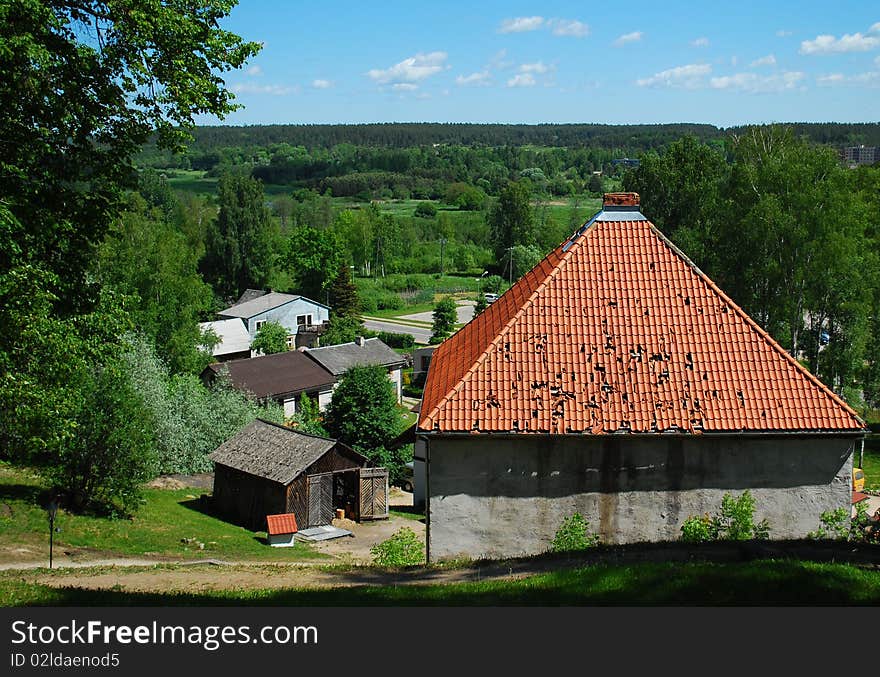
(858, 497)
(281, 524)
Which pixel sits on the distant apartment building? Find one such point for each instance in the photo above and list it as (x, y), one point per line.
(854, 156)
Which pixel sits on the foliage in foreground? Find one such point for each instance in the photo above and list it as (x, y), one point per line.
(734, 522)
(574, 534)
(402, 549)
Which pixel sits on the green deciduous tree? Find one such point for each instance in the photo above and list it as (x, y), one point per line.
(681, 191)
(270, 338)
(146, 256)
(313, 261)
(364, 414)
(445, 317)
(112, 453)
(510, 219)
(241, 244)
(84, 84)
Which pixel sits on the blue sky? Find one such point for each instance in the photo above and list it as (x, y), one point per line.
(637, 62)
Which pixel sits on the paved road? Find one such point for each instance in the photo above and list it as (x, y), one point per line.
(421, 335)
(465, 310)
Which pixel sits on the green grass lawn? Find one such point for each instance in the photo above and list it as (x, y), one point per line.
(759, 583)
(156, 530)
(871, 464)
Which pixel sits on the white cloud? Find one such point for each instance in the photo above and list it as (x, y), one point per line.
(627, 38)
(830, 80)
(322, 84)
(569, 28)
(254, 88)
(404, 87)
(783, 34)
(769, 60)
(875, 28)
(681, 77)
(700, 42)
(413, 69)
(522, 80)
(255, 71)
(869, 79)
(481, 79)
(521, 24)
(757, 84)
(537, 67)
(828, 44)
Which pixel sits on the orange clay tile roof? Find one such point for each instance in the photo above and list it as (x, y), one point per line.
(617, 331)
(281, 524)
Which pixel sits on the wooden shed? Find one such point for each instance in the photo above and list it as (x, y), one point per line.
(269, 469)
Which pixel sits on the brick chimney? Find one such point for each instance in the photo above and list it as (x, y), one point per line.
(621, 200)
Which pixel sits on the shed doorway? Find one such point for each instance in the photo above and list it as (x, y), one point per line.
(330, 491)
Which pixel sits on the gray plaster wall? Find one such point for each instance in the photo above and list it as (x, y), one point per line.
(504, 497)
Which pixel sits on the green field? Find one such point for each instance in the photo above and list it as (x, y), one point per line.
(158, 529)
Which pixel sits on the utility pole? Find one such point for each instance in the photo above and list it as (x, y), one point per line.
(51, 510)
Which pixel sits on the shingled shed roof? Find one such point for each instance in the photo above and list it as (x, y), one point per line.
(272, 451)
(617, 331)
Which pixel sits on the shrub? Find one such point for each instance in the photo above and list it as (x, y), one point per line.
(426, 210)
(574, 534)
(734, 522)
(396, 340)
(698, 529)
(402, 549)
(832, 524)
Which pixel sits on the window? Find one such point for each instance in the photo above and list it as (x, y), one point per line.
(303, 320)
(291, 342)
(258, 324)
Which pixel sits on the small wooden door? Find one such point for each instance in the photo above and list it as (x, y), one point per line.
(374, 493)
(320, 499)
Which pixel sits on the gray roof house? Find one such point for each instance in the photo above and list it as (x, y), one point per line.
(360, 353)
(303, 318)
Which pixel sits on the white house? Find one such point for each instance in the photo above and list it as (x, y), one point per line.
(303, 318)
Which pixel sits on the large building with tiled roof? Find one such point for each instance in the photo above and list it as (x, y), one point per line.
(617, 380)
